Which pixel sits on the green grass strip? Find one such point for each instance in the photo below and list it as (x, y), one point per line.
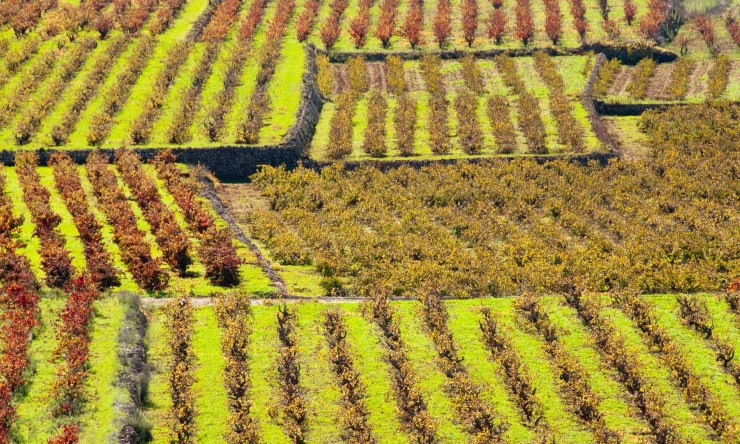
(211, 399)
(367, 352)
(431, 380)
(98, 423)
(463, 323)
(34, 423)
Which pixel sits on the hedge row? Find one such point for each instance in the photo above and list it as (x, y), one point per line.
(412, 408)
(573, 376)
(216, 250)
(31, 118)
(99, 264)
(135, 250)
(476, 415)
(294, 414)
(54, 256)
(233, 314)
(171, 239)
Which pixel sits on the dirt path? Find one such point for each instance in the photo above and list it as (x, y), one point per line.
(696, 85)
(341, 78)
(413, 79)
(377, 75)
(620, 82)
(658, 86)
(209, 192)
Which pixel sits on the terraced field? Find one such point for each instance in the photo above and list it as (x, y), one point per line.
(359, 221)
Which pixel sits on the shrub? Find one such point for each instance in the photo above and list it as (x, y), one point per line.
(89, 88)
(405, 124)
(358, 83)
(375, 134)
(641, 76)
(630, 11)
(503, 128)
(553, 19)
(359, 26)
(330, 31)
(115, 97)
(99, 263)
(305, 21)
(387, 22)
(354, 420)
(325, 76)
(605, 77)
(705, 27)
(289, 374)
(233, 314)
(471, 74)
(497, 25)
(171, 239)
(469, 134)
(679, 83)
(733, 27)
(530, 123)
(442, 26)
(178, 323)
(54, 257)
(413, 23)
(396, 78)
(135, 251)
(470, 21)
(719, 77)
(340, 127)
(524, 31)
(412, 408)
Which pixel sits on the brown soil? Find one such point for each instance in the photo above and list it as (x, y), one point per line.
(697, 86)
(377, 76)
(621, 80)
(341, 78)
(658, 86)
(413, 79)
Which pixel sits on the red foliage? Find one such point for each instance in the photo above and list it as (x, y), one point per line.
(74, 346)
(99, 263)
(135, 251)
(630, 11)
(704, 25)
(304, 24)
(653, 22)
(387, 22)
(216, 251)
(442, 26)
(524, 24)
(578, 11)
(223, 17)
(359, 26)
(252, 19)
(413, 23)
(553, 21)
(170, 237)
(330, 31)
(497, 25)
(470, 20)
(68, 434)
(54, 257)
(733, 27)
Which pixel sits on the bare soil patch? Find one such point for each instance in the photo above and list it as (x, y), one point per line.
(696, 85)
(377, 75)
(658, 87)
(341, 78)
(621, 80)
(413, 79)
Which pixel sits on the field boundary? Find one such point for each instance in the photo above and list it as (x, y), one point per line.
(634, 109)
(626, 54)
